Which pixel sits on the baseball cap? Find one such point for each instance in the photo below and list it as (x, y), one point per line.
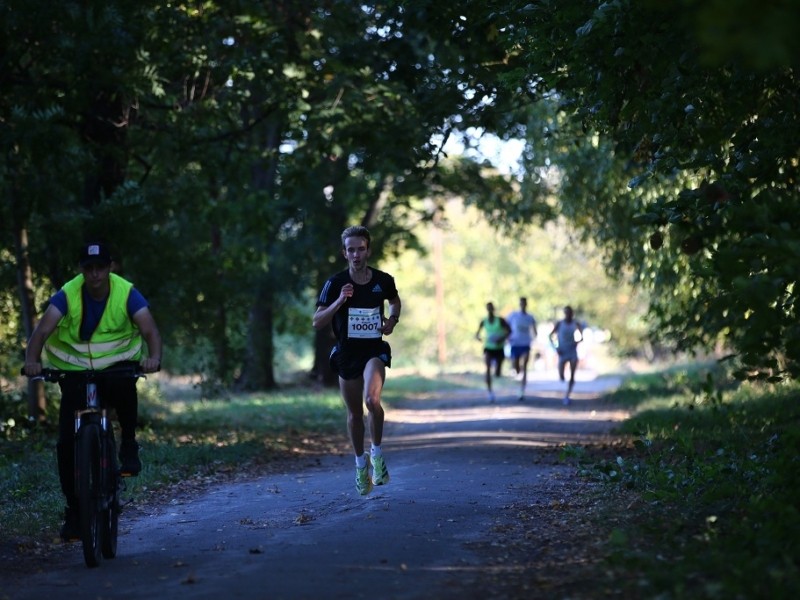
(95, 253)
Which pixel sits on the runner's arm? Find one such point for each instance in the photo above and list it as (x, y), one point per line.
(324, 314)
(507, 327)
(394, 311)
(580, 330)
(552, 333)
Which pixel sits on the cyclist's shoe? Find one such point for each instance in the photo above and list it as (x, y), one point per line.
(380, 474)
(129, 457)
(71, 529)
(363, 482)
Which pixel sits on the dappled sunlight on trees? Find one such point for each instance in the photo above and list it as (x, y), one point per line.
(547, 265)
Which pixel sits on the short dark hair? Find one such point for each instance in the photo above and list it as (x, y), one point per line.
(356, 231)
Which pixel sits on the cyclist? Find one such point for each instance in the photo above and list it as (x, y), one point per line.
(353, 300)
(98, 319)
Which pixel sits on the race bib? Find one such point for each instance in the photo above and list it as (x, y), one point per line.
(364, 323)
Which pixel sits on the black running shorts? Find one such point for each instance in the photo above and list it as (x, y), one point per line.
(350, 365)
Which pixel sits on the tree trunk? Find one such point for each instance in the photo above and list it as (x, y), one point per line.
(218, 329)
(37, 402)
(321, 372)
(258, 373)
(105, 128)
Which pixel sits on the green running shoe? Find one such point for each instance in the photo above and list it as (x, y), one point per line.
(363, 482)
(380, 474)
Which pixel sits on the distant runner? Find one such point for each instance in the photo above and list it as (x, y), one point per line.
(497, 330)
(523, 334)
(568, 334)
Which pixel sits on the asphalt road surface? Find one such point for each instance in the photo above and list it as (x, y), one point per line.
(454, 459)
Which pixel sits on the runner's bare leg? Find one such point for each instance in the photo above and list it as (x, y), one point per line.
(524, 367)
(353, 394)
(374, 378)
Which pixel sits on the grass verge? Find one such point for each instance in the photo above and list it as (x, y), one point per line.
(707, 503)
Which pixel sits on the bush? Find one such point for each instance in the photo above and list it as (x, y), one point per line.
(716, 473)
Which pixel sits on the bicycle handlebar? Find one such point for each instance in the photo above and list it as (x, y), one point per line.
(53, 375)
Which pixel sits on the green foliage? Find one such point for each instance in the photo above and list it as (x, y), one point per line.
(715, 472)
(233, 153)
(29, 484)
(673, 102)
(474, 263)
(223, 161)
(14, 422)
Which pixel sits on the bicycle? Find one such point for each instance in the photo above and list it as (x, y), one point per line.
(98, 478)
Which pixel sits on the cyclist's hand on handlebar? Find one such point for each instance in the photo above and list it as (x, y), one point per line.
(151, 365)
(32, 369)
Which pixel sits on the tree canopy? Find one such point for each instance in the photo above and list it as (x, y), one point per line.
(673, 130)
(223, 146)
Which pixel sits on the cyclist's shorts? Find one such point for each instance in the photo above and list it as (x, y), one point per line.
(519, 351)
(350, 365)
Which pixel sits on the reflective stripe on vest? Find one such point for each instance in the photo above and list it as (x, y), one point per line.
(71, 362)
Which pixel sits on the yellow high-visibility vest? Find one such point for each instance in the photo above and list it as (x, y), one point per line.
(115, 339)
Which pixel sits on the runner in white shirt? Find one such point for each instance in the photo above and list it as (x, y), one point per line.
(569, 333)
(523, 334)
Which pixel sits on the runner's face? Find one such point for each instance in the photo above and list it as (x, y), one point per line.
(356, 252)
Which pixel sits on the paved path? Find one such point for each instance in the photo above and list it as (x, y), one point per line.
(455, 461)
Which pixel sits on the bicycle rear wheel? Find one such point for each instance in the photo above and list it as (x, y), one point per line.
(110, 512)
(87, 469)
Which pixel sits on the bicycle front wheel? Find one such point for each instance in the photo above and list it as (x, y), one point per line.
(110, 513)
(89, 491)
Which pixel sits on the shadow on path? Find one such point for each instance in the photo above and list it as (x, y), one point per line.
(456, 463)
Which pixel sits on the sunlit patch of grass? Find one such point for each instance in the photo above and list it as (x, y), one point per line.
(254, 412)
(406, 386)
